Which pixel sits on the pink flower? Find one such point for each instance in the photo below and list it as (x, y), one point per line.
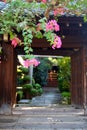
(57, 42)
(59, 10)
(28, 63)
(5, 1)
(15, 41)
(44, 1)
(52, 26)
(34, 62)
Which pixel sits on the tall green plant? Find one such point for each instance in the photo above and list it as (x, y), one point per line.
(41, 71)
(64, 74)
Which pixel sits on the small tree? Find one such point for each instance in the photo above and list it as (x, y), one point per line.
(41, 71)
(23, 80)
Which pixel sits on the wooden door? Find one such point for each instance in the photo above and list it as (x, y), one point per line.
(77, 80)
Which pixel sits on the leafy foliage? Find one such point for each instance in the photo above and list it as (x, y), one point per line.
(64, 74)
(66, 98)
(20, 19)
(41, 71)
(32, 90)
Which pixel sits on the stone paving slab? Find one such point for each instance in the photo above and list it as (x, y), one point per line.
(44, 114)
(45, 118)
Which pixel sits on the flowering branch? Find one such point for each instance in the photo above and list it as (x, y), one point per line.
(31, 19)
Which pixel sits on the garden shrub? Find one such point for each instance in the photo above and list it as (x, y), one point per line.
(66, 97)
(28, 87)
(23, 80)
(41, 71)
(64, 74)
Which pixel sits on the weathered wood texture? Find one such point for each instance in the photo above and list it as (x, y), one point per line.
(77, 82)
(85, 73)
(8, 75)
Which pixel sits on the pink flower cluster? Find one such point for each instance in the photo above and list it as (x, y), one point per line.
(57, 42)
(28, 62)
(52, 26)
(15, 41)
(4, 1)
(58, 11)
(44, 1)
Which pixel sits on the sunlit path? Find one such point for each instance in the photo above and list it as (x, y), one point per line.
(50, 96)
(45, 113)
(45, 118)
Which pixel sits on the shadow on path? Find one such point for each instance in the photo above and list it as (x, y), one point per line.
(50, 96)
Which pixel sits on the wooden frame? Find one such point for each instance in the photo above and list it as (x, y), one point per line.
(74, 45)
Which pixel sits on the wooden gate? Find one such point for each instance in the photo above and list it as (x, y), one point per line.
(77, 81)
(74, 45)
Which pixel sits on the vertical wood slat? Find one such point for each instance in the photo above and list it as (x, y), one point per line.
(85, 74)
(1, 87)
(77, 78)
(8, 75)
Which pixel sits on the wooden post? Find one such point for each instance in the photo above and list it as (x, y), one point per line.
(77, 84)
(7, 79)
(85, 80)
(84, 102)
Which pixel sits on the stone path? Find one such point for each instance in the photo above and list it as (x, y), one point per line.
(46, 117)
(50, 96)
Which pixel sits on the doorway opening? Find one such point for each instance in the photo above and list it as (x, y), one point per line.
(54, 76)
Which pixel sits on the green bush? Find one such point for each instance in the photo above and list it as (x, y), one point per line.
(37, 86)
(34, 92)
(27, 87)
(19, 81)
(26, 78)
(64, 74)
(40, 91)
(24, 70)
(41, 71)
(29, 90)
(66, 94)
(66, 97)
(19, 95)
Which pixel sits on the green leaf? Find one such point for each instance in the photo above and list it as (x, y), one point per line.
(29, 56)
(29, 41)
(30, 36)
(26, 48)
(26, 51)
(30, 49)
(39, 35)
(26, 43)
